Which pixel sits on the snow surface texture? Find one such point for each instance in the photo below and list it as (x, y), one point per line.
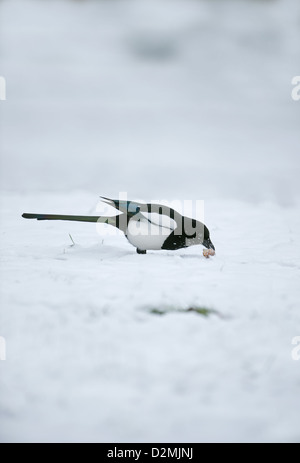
(169, 100)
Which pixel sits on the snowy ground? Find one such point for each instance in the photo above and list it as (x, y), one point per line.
(104, 97)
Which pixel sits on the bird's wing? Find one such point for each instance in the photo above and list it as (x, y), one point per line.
(133, 207)
(127, 207)
(162, 215)
(160, 220)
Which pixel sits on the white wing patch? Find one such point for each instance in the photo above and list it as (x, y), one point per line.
(160, 220)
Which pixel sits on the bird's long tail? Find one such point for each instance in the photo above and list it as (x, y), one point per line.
(76, 218)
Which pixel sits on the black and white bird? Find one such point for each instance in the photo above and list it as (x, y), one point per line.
(146, 226)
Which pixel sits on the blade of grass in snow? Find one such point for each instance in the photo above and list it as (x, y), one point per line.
(204, 311)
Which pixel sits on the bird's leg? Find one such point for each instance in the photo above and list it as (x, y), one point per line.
(139, 251)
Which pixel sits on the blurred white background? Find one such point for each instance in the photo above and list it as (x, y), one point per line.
(159, 98)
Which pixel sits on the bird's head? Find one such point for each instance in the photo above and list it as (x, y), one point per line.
(206, 241)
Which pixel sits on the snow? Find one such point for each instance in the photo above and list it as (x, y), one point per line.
(184, 102)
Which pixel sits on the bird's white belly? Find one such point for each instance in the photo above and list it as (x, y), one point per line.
(145, 235)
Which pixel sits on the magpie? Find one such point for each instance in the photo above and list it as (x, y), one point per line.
(146, 226)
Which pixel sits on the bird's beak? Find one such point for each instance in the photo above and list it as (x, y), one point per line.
(208, 244)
